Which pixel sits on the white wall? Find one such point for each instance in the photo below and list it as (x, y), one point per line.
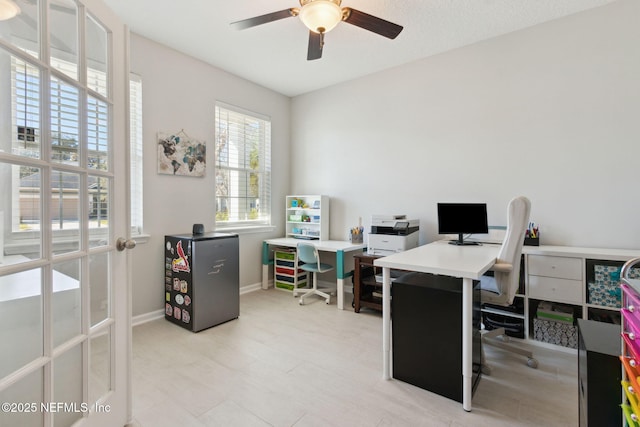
(180, 92)
(550, 112)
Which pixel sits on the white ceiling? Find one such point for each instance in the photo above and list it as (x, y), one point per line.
(274, 54)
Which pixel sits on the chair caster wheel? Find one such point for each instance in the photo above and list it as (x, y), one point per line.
(532, 363)
(301, 302)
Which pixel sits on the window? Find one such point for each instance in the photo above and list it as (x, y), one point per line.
(135, 138)
(243, 167)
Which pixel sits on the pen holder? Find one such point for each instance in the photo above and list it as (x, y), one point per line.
(355, 238)
(532, 241)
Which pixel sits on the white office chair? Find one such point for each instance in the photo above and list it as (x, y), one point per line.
(501, 288)
(308, 254)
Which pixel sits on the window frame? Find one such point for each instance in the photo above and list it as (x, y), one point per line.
(264, 171)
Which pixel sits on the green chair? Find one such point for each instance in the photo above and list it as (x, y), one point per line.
(308, 254)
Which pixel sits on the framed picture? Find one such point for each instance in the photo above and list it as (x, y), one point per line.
(178, 154)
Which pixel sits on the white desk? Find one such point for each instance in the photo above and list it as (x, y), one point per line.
(339, 247)
(466, 262)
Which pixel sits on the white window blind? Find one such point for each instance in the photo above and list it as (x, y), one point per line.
(135, 114)
(243, 167)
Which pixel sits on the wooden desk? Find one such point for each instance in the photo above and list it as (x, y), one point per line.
(466, 262)
(339, 247)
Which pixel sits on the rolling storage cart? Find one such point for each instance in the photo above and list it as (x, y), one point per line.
(630, 357)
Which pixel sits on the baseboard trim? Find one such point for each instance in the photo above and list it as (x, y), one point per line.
(250, 288)
(159, 314)
(147, 317)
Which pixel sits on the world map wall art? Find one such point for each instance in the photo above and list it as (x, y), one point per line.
(178, 154)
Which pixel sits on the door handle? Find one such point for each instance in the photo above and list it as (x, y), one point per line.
(122, 244)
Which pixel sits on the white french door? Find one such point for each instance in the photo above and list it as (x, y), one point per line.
(64, 296)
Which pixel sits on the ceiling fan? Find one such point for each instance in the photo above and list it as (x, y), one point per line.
(321, 16)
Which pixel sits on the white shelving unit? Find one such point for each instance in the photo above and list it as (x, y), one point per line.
(569, 276)
(307, 217)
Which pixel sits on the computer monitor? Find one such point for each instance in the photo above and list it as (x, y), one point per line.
(461, 219)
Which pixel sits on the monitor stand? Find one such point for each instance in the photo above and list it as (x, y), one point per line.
(461, 242)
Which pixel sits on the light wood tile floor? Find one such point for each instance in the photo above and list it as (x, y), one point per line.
(282, 364)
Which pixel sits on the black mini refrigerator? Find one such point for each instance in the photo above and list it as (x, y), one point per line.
(202, 287)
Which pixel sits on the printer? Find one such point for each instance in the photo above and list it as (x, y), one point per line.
(391, 234)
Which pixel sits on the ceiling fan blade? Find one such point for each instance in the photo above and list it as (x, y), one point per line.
(316, 42)
(372, 23)
(264, 19)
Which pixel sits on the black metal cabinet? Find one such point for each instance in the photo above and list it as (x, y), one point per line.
(599, 374)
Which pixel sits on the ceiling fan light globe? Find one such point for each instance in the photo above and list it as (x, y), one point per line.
(321, 16)
(8, 9)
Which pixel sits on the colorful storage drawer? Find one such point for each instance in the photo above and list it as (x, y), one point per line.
(631, 323)
(631, 369)
(286, 255)
(632, 397)
(286, 274)
(290, 286)
(632, 419)
(287, 270)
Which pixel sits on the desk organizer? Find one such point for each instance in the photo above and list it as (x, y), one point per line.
(532, 241)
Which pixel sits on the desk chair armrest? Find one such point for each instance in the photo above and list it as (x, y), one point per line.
(502, 267)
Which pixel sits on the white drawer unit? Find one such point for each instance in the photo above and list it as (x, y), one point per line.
(555, 266)
(567, 280)
(555, 289)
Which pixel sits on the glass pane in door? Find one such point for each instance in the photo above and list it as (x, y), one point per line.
(98, 134)
(23, 30)
(66, 302)
(24, 115)
(63, 25)
(97, 56)
(65, 122)
(99, 365)
(67, 387)
(65, 211)
(29, 390)
(19, 213)
(99, 287)
(99, 210)
(21, 331)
